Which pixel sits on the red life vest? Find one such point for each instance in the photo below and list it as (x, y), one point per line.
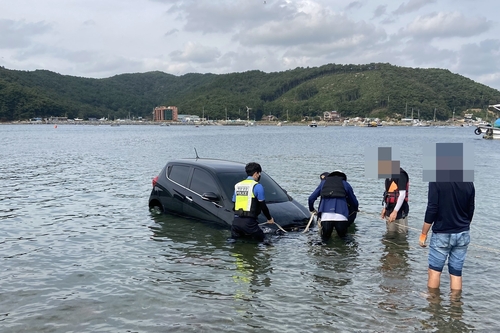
(391, 193)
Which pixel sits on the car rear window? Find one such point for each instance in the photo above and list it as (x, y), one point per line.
(179, 174)
(272, 191)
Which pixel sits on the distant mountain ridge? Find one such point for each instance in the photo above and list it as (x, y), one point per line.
(372, 90)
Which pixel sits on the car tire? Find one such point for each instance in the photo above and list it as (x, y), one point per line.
(155, 208)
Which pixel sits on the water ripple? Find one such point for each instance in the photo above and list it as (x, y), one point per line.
(79, 250)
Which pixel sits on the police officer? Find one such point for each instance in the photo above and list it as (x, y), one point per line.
(249, 202)
(338, 204)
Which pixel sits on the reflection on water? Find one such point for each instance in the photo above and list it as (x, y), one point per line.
(394, 260)
(396, 280)
(335, 259)
(80, 251)
(251, 269)
(446, 313)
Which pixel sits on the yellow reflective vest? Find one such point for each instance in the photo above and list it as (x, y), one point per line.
(246, 203)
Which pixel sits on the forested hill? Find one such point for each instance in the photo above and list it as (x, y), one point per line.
(372, 90)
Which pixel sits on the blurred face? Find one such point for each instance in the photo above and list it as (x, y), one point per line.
(256, 176)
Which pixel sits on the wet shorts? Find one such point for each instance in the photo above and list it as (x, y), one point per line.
(451, 246)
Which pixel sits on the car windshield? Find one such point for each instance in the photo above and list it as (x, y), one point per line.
(272, 191)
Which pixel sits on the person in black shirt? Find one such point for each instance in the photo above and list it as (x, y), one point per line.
(450, 208)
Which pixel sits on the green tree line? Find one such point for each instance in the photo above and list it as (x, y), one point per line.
(371, 90)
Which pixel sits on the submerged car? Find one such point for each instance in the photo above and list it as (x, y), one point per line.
(202, 189)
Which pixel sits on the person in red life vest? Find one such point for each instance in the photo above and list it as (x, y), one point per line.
(249, 202)
(450, 208)
(338, 204)
(395, 202)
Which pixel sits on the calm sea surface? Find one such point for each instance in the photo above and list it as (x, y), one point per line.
(81, 252)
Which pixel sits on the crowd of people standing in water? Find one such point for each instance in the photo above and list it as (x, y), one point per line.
(449, 212)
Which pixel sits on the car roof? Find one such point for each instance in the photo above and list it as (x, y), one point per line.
(216, 165)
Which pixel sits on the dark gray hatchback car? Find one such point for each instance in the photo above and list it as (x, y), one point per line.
(202, 189)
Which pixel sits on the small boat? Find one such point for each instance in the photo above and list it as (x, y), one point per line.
(313, 124)
(420, 123)
(490, 131)
(372, 124)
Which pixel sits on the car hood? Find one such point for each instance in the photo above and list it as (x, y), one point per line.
(287, 214)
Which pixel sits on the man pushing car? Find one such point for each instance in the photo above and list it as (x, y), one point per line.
(249, 202)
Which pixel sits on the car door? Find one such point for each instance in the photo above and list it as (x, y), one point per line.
(178, 176)
(195, 205)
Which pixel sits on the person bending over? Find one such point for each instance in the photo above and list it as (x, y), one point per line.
(337, 205)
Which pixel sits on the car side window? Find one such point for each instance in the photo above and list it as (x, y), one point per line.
(273, 192)
(203, 182)
(179, 174)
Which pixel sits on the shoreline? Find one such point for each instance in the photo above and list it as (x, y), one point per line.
(242, 124)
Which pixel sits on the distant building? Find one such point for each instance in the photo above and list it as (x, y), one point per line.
(164, 113)
(187, 118)
(331, 116)
(269, 118)
(52, 119)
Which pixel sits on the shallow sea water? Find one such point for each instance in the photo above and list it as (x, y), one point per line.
(81, 252)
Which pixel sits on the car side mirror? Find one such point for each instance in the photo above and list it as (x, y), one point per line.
(210, 196)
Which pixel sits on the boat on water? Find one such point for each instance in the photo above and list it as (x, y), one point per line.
(420, 123)
(372, 124)
(313, 124)
(490, 131)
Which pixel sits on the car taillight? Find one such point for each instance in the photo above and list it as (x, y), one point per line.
(155, 180)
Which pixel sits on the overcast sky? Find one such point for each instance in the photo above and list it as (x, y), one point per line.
(102, 38)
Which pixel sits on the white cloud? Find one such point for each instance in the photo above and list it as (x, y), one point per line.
(196, 52)
(98, 38)
(171, 32)
(354, 5)
(380, 11)
(412, 6)
(444, 25)
(305, 29)
(482, 58)
(18, 34)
